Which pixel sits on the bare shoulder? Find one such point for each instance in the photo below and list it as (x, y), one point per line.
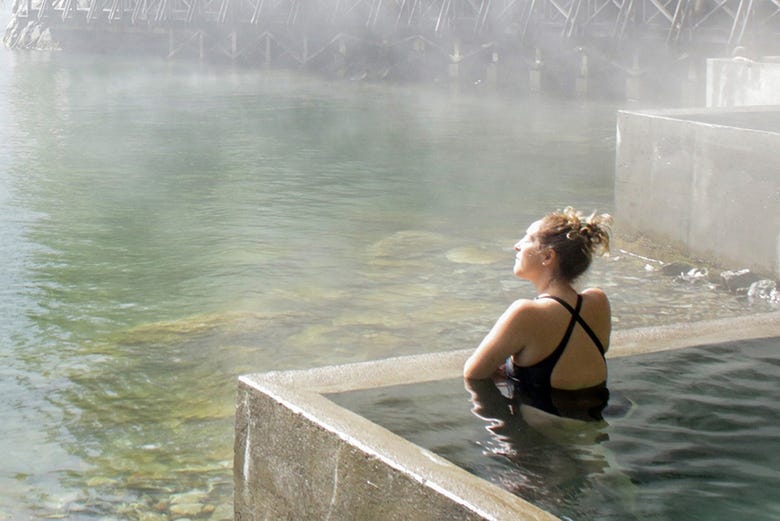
(520, 318)
(523, 304)
(507, 337)
(599, 313)
(526, 309)
(596, 295)
(595, 291)
(520, 311)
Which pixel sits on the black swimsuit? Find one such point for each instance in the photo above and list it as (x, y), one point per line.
(533, 382)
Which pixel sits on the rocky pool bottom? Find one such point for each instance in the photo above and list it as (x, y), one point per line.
(147, 417)
(147, 421)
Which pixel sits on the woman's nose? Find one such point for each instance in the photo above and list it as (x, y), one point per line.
(517, 246)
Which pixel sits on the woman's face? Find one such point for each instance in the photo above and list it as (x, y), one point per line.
(528, 258)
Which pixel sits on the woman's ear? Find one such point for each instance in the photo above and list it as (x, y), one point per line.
(549, 257)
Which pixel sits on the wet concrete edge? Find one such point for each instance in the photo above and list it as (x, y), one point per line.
(301, 393)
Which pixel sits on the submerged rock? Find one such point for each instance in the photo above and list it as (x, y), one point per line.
(738, 281)
(223, 513)
(195, 496)
(406, 245)
(676, 269)
(101, 481)
(765, 290)
(176, 331)
(152, 516)
(186, 509)
(694, 275)
(474, 255)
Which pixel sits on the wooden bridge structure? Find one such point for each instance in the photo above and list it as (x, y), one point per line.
(447, 35)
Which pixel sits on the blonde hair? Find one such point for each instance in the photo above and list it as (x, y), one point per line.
(575, 238)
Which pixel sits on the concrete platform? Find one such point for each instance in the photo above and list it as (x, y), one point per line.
(739, 82)
(703, 181)
(298, 455)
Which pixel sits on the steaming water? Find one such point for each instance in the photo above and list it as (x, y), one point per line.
(166, 227)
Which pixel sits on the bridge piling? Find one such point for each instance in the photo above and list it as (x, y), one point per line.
(535, 72)
(340, 58)
(632, 81)
(267, 53)
(581, 82)
(491, 70)
(455, 59)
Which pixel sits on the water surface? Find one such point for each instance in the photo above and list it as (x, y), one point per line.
(168, 226)
(687, 435)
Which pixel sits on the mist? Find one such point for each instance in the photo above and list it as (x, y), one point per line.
(600, 51)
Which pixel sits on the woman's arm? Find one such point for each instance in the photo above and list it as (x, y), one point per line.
(506, 338)
(488, 402)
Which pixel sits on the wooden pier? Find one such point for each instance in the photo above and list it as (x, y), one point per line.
(474, 38)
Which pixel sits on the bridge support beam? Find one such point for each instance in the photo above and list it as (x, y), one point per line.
(633, 81)
(581, 83)
(267, 50)
(455, 59)
(535, 72)
(411, 39)
(689, 94)
(491, 71)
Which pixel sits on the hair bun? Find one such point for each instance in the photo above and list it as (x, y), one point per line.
(594, 229)
(575, 238)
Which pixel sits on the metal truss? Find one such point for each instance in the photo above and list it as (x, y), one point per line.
(728, 21)
(306, 28)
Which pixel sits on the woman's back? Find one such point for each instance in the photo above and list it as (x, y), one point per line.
(558, 340)
(564, 345)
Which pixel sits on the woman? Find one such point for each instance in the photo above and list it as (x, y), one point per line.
(556, 342)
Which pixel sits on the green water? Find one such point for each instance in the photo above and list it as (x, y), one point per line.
(168, 226)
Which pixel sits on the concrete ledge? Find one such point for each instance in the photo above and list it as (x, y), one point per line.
(298, 455)
(703, 181)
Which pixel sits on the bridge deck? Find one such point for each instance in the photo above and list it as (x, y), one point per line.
(304, 32)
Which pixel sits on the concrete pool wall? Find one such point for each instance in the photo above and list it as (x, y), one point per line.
(741, 81)
(299, 455)
(704, 181)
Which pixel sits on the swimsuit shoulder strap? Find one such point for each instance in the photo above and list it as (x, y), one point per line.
(552, 359)
(575, 313)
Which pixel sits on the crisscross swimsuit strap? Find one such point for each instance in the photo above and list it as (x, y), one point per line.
(539, 374)
(575, 316)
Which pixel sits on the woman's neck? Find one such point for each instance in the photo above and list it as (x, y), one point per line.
(555, 287)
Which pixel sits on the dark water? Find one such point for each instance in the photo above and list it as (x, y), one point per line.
(688, 435)
(166, 227)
